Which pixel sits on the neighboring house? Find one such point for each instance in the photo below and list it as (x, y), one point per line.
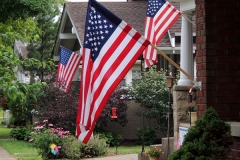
(21, 50)
(72, 27)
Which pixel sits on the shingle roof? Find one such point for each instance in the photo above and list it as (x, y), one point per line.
(131, 12)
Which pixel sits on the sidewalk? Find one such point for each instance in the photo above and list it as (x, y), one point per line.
(116, 157)
(4, 155)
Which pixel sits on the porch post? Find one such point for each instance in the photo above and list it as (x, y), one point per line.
(186, 53)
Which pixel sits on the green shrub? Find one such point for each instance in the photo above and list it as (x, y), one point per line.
(108, 136)
(117, 140)
(112, 139)
(72, 147)
(95, 147)
(209, 139)
(149, 136)
(43, 137)
(19, 133)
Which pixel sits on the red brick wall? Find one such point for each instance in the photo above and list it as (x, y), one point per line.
(218, 56)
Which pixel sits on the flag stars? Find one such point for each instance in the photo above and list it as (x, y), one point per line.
(97, 25)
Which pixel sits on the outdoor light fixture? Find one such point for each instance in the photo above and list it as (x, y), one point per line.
(114, 113)
(189, 96)
(170, 80)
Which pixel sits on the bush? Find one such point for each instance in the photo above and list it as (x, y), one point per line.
(112, 139)
(95, 147)
(149, 136)
(108, 136)
(117, 140)
(43, 137)
(19, 133)
(72, 147)
(209, 139)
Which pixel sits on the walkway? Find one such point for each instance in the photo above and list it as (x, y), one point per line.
(4, 155)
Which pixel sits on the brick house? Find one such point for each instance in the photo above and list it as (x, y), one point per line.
(217, 63)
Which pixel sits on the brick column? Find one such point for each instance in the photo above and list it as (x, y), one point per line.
(201, 55)
(218, 58)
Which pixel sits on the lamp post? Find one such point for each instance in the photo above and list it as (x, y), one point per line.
(169, 85)
(143, 133)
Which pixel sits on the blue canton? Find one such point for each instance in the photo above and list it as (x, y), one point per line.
(154, 6)
(98, 30)
(65, 55)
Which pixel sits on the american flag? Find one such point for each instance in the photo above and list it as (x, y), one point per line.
(160, 16)
(67, 66)
(111, 47)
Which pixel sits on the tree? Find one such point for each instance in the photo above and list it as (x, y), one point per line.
(15, 23)
(23, 9)
(209, 139)
(152, 93)
(42, 42)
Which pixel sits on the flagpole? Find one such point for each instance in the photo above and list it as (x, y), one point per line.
(172, 62)
(188, 20)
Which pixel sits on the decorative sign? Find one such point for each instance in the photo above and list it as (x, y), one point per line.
(182, 132)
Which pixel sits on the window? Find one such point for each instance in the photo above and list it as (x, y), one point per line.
(136, 75)
(123, 83)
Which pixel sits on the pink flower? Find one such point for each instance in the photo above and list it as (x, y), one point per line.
(45, 121)
(50, 124)
(38, 127)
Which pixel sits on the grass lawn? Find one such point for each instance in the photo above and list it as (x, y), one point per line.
(4, 131)
(126, 149)
(21, 150)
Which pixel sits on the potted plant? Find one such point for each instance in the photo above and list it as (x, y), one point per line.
(193, 115)
(154, 153)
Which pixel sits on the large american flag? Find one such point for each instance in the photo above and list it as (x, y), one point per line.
(111, 47)
(160, 16)
(67, 66)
